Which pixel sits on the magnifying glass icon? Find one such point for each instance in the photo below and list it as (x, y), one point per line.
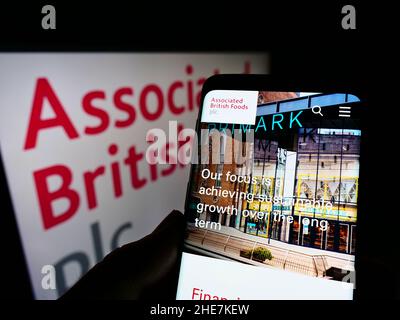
(317, 110)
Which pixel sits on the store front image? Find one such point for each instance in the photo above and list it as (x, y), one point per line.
(339, 237)
(322, 167)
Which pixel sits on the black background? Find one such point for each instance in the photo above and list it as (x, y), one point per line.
(302, 38)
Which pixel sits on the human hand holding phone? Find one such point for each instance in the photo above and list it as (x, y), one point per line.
(145, 269)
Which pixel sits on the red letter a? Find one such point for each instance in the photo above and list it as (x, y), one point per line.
(44, 90)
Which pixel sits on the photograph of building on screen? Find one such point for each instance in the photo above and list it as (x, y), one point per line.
(303, 187)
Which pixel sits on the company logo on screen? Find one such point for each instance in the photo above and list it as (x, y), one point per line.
(226, 106)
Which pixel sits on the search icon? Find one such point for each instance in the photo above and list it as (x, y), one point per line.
(317, 110)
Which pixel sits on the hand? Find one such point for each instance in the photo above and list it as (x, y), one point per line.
(145, 269)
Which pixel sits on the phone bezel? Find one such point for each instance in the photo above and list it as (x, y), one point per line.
(298, 84)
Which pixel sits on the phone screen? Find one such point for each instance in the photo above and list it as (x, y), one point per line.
(272, 200)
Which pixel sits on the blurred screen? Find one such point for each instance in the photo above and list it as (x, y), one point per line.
(72, 132)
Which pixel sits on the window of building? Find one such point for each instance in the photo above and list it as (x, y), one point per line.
(328, 169)
(218, 183)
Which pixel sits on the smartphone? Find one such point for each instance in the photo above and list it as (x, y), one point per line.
(273, 198)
